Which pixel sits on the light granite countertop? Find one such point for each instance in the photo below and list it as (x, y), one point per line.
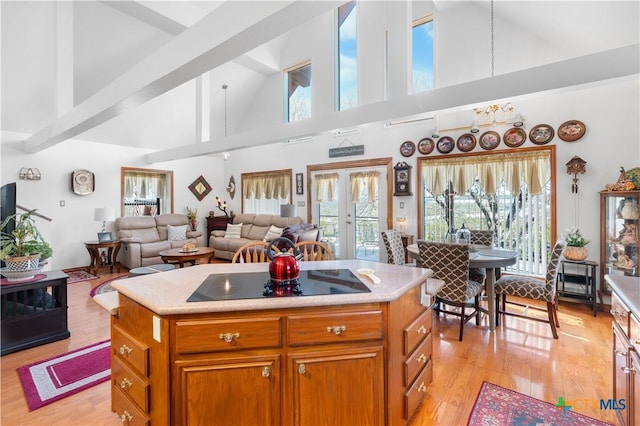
(165, 293)
(628, 289)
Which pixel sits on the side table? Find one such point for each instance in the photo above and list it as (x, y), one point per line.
(577, 280)
(111, 249)
(216, 223)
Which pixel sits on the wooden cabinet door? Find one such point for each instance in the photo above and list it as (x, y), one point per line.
(620, 374)
(244, 390)
(338, 387)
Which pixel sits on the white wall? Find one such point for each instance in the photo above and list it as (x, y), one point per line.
(73, 224)
(609, 112)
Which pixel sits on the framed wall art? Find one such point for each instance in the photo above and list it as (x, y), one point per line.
(489, 140)
(572, 130)
(200, 188)
(299, 184)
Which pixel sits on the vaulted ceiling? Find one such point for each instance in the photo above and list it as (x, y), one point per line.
(133, 65)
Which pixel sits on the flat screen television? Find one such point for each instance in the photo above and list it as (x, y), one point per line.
(8, 204)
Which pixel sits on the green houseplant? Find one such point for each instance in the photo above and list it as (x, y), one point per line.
(23, 247)
(576, 245)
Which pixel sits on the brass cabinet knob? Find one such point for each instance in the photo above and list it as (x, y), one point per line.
(229, 337)
(266, 371)
(126, 383)
(337, 329)
(422, 330)
(125, 350)
(302, 369)
(422, 358)
(422, 387)
(126, 417)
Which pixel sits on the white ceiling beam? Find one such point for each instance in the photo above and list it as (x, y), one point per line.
(593, 68)
(232, 30)
(146, 14)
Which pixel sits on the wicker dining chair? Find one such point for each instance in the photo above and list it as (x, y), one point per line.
(450, 263)
(314, 250)
(527, 287)
(393, 245)
(251, 252)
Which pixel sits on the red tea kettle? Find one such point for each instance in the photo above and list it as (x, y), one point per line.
(284, 264)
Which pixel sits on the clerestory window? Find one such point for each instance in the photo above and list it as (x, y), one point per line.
(422, 54)
(347, 57)
(298, 90)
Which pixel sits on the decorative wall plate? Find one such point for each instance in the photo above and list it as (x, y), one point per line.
(571, 131)
(466, 142)
(82, 182)
(514, 137)
(200, 188)
(541, 134)
(489, 140)
(426, 146)
(407, 148)
(445, 144)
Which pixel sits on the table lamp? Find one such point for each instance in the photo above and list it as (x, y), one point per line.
(287, 210)
(104, 214)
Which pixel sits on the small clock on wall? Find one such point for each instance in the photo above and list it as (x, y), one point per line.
(402, 178)
(82, 182)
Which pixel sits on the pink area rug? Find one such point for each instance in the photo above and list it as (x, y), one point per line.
(59, 377)
(77, 276)
(499, 406)
(105, 287)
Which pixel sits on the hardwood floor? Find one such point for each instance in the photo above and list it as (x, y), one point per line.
(519, 355)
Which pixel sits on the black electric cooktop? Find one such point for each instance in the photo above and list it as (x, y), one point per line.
(257, 285)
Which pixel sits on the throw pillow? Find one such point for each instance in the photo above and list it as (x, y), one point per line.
(233, 231)
(273, 232)
(177, 233)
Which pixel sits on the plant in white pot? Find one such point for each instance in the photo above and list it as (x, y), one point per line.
(22, 248)
(576, 245)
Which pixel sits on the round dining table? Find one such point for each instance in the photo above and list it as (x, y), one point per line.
(485, 257)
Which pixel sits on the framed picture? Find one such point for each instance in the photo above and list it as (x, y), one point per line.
(514, 137)
(445, 144)
(407, 148)
(489, 140)
(466, 142)
(105, 237)
(200, 188)
(572, 130)
(541, 134)
(299, 184)
(425, 146)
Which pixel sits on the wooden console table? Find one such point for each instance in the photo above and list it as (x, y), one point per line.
(112, 249)
(217, 223)
(34, 312)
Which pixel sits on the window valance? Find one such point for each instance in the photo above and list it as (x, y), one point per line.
(370, 179)
(532, 168)
(270, 185)
(144, 185)
(326, 184)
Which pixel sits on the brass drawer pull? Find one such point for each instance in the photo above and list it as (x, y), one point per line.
(337, 330)
(125, 350)
(126, 417)
(126, 383)
(422, 330)
(266, 371)
(229, 337)
(302, 369)
(628, 370)
(422, 387)
(422, 358)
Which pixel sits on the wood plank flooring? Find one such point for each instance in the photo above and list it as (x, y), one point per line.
(519, 355)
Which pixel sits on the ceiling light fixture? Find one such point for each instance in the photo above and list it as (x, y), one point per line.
(344, 132)
(474, 126)
(519, 121)
(29, 173)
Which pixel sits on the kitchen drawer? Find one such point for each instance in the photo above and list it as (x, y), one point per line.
(416, 331)
(194, 336)
(634, 333)
(620, 313)
(127, 348)
(129, 414)
(130, 383)
(416, 394)
(335, 327)
(417, 360)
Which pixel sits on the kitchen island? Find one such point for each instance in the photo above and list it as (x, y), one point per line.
(346, 357)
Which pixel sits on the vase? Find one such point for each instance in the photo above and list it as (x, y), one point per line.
(630, 210)
(575, 253)
(194, 224)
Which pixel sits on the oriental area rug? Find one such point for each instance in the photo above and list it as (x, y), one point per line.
(104, 287)
(499, 406)
(77, 276)
(59, 377)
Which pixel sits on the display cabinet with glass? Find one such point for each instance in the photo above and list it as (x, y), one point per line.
(619, 238)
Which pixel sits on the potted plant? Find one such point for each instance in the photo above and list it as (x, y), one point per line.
(576, 245)
(22, 248)
(192, 215)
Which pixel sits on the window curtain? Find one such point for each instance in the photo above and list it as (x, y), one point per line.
(326, 183)
(370, 179)
(269, 185)
(141, 186)
(532, 168)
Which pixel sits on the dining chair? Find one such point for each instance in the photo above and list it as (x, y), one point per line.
(481, 238)
(527, 287)
(314, 250)
(251, 252)
(393, 245)
(450, 263)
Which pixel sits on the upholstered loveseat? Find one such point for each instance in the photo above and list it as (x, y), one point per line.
(143, 237)
(255, 227)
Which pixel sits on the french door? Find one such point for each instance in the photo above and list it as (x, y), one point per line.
(350, 206)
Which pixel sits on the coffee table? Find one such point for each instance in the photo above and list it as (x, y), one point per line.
(179, 257)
